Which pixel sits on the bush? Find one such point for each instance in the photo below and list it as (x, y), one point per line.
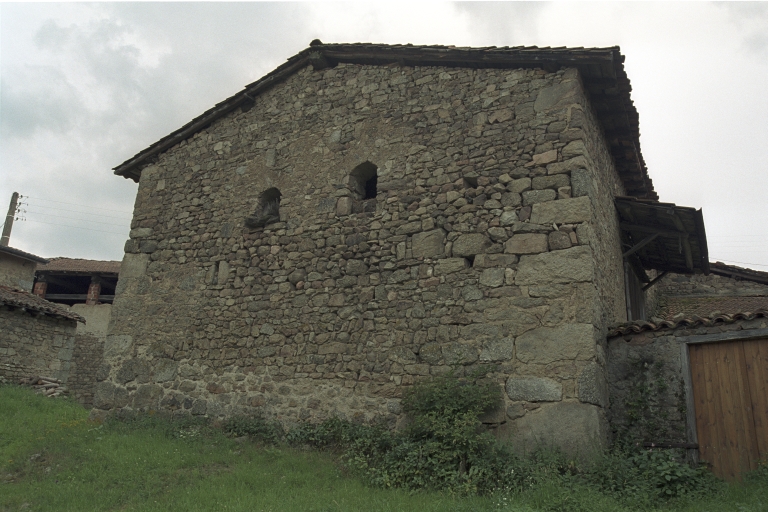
(647, 476)
(443, 447)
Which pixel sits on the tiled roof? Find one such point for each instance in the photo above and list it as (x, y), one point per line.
(688, 307)
(602, 72)
(713, 321)
(735, 272)
(30, 302)
(80, 265)
(21, 254)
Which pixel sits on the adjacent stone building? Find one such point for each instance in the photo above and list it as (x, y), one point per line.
(37, 337)
(696, 375)
(62, 339)
(369, 215)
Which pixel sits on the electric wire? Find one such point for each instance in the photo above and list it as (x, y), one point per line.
(75, 204)
(76, 211)
(740, 262)
(82, 220)
(75, 227)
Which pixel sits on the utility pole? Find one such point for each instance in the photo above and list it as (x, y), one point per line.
(9, 220)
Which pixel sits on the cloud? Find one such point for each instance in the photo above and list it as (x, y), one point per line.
(83, 87)
(504, 23)
(751, 19)
(37, 98)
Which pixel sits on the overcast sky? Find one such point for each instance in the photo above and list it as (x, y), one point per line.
(83, 87)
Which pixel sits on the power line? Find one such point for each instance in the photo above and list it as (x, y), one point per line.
(742, 262)
(73, 218)
(76, 211)
(732, 236)
(76, 227)
(75, 204)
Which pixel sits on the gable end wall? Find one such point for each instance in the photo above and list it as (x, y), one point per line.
(341, 305)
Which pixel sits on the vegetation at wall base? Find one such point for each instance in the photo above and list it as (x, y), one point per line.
(52, 458)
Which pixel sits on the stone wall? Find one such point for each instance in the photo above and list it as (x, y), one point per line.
(61, 348)
(17, 273)
(35, 345)
(647, 391)
(711, 285)
(474, 252)
(88, 354)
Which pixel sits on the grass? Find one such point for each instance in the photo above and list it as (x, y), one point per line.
(52, 458)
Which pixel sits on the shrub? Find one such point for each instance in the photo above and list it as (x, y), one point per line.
(443, 447)
(647, 476)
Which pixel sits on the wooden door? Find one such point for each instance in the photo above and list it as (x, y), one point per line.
(730, 393)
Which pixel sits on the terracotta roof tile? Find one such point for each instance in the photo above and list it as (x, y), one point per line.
(80, 265)
(735, 272)
(30, 302)
(721, 319)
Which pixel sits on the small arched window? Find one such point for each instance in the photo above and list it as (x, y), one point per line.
(268, 210)
(363, 180)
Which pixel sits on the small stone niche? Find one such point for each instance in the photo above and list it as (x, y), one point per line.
(363, 181)
(268, 210)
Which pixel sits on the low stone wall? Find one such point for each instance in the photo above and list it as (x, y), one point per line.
(711, 285)
(35, 345)
(646, 381)
(61, 348)
(87, 358)
(88, 355)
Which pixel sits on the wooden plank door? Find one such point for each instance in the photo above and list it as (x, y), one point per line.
(730, 394)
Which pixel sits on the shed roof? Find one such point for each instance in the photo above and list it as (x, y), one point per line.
(602, 72)
(80, 266)
(663, 236)
(21, 254)
(31, 302)
(732, 271)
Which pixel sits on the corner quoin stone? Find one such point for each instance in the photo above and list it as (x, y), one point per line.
(556, 95)
(572, 265)
(575, 428)
(592, 385)
(534, 389)
(564, 211)
(568, 342)
(134, 265)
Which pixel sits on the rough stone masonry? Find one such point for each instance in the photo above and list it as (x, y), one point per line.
(492, 239)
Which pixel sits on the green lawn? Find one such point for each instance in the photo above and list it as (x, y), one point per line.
(52, 458)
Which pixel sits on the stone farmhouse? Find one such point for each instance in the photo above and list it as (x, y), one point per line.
(38, 337)
(365, 216)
